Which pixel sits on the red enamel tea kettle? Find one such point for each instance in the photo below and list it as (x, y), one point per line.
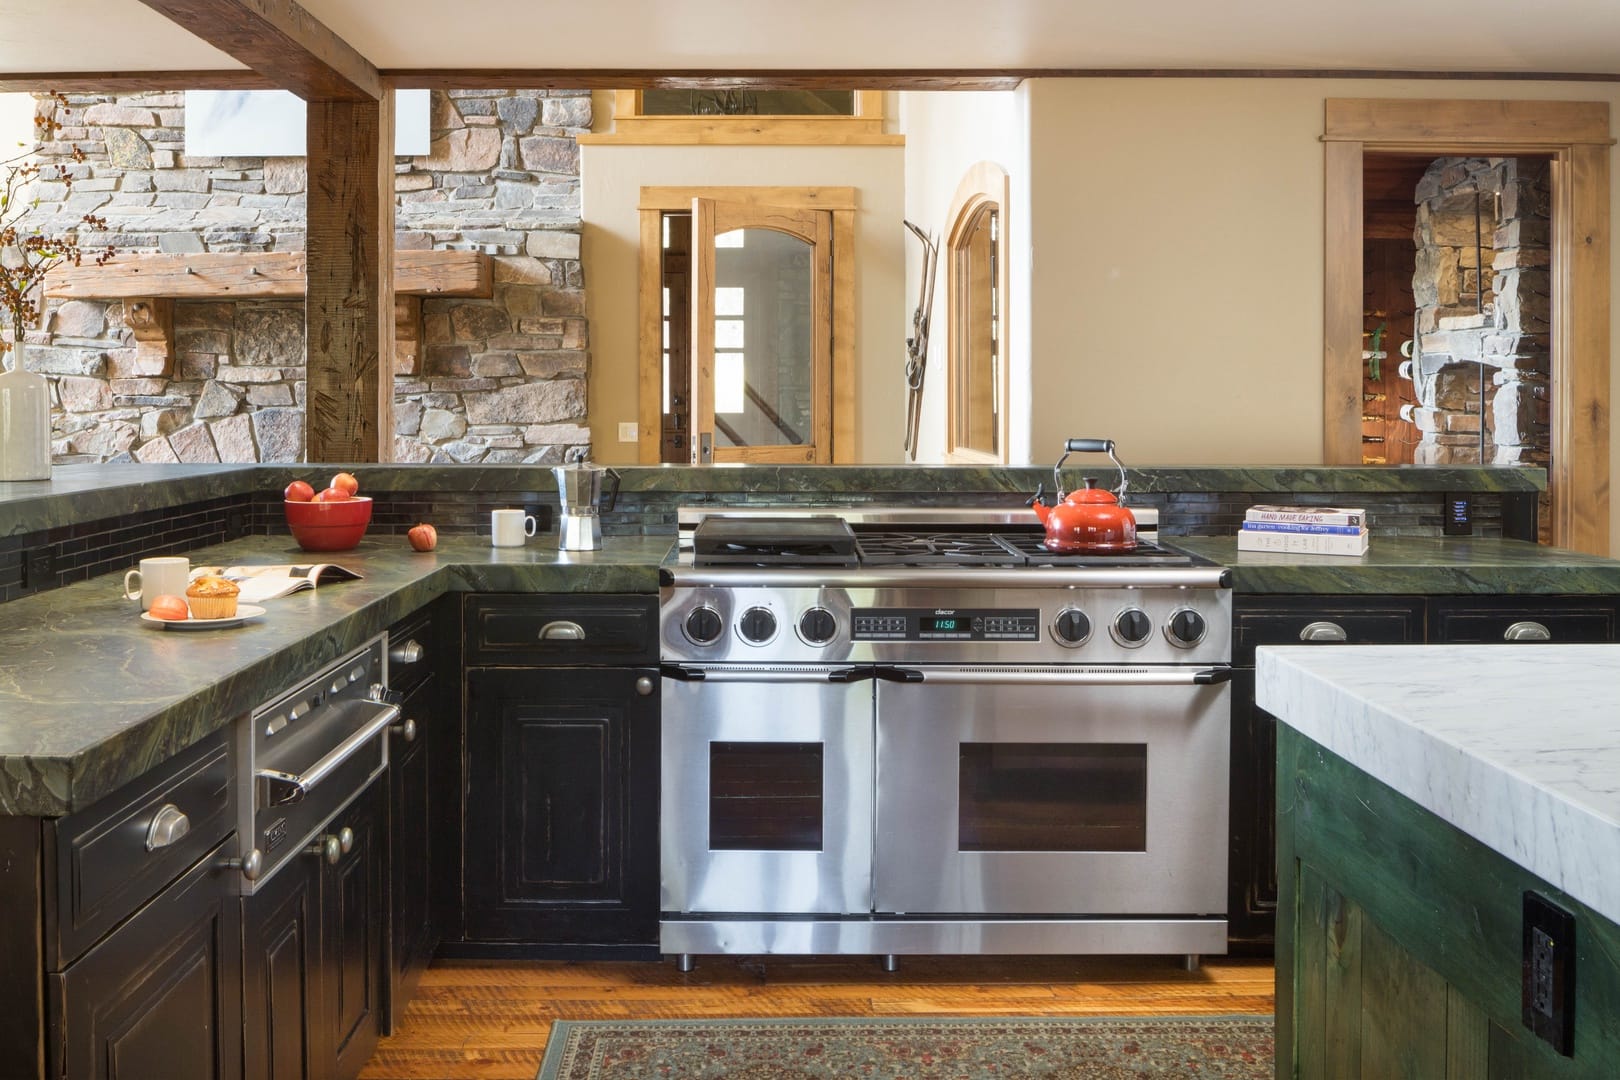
(1092, 519)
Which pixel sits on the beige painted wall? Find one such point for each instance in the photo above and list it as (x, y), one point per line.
(611, 178)
(946, 135)
(1177, 278)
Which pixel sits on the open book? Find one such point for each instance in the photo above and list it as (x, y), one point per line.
(261, 583)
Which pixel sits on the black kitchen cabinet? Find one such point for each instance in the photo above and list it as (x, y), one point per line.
(1352, 620)
(561, 846)
(421, 854)
(159, 997)
(1283, 620)
(313, 952)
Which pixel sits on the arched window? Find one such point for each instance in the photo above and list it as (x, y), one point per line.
(976, 314)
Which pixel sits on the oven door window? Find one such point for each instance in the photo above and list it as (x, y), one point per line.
(1052, 797)
(765, 796)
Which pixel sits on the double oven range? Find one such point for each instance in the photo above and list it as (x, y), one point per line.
(916, 732)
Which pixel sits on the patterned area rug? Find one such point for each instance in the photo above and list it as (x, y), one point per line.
(933, 1048)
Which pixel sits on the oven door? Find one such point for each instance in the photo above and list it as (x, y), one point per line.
(1052, 791)
(766, 799)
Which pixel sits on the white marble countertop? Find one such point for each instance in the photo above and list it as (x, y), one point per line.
(1518, 746)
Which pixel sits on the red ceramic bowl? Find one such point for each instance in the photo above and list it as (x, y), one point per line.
(329, 526)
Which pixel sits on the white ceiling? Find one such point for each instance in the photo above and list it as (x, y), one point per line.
(1483, 35)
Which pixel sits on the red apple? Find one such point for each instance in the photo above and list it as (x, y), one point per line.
(299, 491)
(423, 537)
(347, 482)
(332, 494)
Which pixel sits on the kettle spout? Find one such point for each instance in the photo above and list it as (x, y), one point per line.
(1042, 511)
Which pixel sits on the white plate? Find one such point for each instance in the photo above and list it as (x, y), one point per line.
(244, 612)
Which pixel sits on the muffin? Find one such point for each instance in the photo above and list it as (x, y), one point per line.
(212, 598)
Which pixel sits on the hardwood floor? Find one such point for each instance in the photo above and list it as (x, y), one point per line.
(486, 1020)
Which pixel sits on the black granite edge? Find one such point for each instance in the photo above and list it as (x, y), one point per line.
(78, 493)
(101, 768)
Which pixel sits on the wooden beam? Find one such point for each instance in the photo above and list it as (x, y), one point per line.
(349, 307)
(1491, 123)
(124, 82)
(252, 275)
(281, 41)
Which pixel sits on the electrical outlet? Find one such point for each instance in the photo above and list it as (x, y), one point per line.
(1548, 991)
(629, 432)
(37, 568)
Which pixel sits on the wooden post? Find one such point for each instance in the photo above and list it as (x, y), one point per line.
(349, 305)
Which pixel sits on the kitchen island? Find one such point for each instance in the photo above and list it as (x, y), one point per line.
(1424, 793)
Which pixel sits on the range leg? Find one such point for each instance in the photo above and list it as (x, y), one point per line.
(1190, 961)
(684, 962)
(891, 962)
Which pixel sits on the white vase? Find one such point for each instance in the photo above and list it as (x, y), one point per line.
(25, 422)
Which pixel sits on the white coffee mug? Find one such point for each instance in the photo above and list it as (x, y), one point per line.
(510, 528)
(165, 575)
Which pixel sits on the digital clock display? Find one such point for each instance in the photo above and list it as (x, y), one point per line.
(943, 624)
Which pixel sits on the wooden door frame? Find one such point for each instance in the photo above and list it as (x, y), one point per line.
(985, 184)
(1575, 135)
(653, 203)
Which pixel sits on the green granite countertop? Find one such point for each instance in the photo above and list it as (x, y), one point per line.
(1413, 565)
(91, 696)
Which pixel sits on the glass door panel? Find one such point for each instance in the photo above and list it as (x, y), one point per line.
(1052, 797)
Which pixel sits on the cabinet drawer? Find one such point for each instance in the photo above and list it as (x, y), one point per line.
(1364, 621)
(597, 628)
(1463, 620)
(410, 652)
(111, 858)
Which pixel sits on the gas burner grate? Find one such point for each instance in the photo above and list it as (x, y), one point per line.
(935, 549)
(1034, 553)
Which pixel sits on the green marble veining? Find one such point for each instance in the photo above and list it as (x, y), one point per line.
(90, 492)
(91, 696)
(1414, 566)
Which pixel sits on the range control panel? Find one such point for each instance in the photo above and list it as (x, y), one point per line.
(945, 624)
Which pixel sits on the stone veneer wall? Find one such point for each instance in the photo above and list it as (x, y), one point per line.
(1505, 346)
(498, 380)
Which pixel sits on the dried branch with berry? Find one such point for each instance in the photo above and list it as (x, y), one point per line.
(27, 253)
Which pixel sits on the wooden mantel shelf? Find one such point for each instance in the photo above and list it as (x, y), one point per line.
(150, 284)
(252, 275)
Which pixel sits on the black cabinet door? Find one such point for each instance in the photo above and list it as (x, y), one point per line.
(414, 861)
(561, 812)
(161, 996)
(281, 968)
(352, 940)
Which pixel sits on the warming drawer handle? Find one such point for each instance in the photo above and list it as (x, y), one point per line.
(288, 787)
(765, 675)
(562, 630)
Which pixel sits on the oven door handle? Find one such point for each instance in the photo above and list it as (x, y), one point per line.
(765, 675)
(1058, 677)
(285, 787)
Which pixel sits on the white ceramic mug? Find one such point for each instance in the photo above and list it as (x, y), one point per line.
(165, 575)
(510, 528)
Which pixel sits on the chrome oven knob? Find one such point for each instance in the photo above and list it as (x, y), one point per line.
(757, 625)
(1186, 628)
(817, 626)
(1071, 628)
(1131, 627)
(703, 626)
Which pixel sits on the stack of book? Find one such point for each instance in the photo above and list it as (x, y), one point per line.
(1308, 530)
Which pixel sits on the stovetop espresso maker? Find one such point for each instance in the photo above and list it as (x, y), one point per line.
(579, 489)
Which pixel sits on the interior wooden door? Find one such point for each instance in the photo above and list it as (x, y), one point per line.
(761, 333)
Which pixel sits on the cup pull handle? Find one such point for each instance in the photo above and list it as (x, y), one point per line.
(1323, 631)
(562, 630)
(169, 824)
(1529, 630)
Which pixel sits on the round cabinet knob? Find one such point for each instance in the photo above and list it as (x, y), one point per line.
(1132, 627)
(703, 626)
(1186, 628)
(644, 686)
(817, 626)
(406, 729)
(1071, 627)
(758, 625)
(329, 848)
(346, 840)
(251, 864)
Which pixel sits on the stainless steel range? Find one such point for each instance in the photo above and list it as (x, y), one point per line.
(921, 732)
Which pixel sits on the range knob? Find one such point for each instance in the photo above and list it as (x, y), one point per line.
(817, 626)
(1186, 628)
(1132, 627)
(703, 626)
(758, 625)
(1071, 627)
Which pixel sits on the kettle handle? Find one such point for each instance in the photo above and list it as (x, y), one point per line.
(1089, 446)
